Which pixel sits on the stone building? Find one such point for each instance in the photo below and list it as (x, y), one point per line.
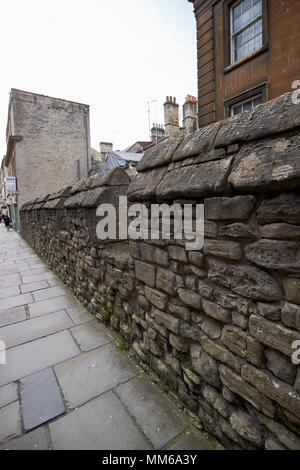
(248, 53)
(189, 114)
(48, 142)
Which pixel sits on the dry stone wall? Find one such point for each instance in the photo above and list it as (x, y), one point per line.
(216, 326)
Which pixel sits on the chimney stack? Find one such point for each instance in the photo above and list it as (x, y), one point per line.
(171, 109)
(157, 132)
(190, 121)
(105, 147)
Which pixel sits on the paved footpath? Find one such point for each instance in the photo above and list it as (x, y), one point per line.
(66, 385)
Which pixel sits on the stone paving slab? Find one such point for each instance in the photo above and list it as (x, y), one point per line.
(38, 277)
(33, 272)
(93, 373)
(29, 330)
(79, 315)
(12, 315)
(16, 301)
(191, 441)
(158, 419)
(33, 286)
(49, 293)
(54, 281)
(9, 292)
(101, 424)
(90, 336)
(37, 355)
(10, 421)
(34, 440)
(50, 305)
(9, 281)
(41, 399)
(8, 394)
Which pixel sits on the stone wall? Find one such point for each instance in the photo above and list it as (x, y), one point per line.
(216, 326)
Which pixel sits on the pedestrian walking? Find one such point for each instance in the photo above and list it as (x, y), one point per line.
(7, 222)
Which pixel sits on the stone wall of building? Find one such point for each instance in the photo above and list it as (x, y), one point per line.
(216, 326)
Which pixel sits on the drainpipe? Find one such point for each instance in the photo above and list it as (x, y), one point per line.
(86, 123)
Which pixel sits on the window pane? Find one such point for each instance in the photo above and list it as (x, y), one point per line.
(237, 109)
(258, 42)
(257, 9)
(238, 41)
(237, 11)
(248, 105)
(248, 33)
(246, 17)
(237, 24)
(258, 27)
(239, 54)
(257, 101)
(246, 5)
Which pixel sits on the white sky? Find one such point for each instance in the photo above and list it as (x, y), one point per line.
(115, 55)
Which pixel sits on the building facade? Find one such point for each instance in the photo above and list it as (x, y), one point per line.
(48, 145)
(248, 53)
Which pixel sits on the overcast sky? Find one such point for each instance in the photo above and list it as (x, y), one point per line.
(115, 55)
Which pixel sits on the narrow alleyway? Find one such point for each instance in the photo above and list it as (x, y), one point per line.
(66, 385)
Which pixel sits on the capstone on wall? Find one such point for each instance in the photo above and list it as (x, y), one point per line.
(215, 327)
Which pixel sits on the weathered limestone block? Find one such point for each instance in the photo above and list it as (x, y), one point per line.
(164, 372)
(159, 155)
(178, 343)
(273, 444)
(283, 208)
(197, 142)
(271, 164)
(161, 329)
(286, 437)
(292, 290)
(228, 208)
(196, 258)
(238, 230)
(245, 280)
(273, 335)
(179, 310)
(205, 290)
(239, 320)
(209, 326)
(290, 315)
(134, 249)
(188, 372)
(143, 186)
(188, 331)
(274, 117)
(246, 427)
(216, 400)
(215, 154)
(281, 366)
(269, 311)
(154, 255)
(221, 354)
(243, 345)
(168, 321)
(280, 231)
(205, 365)
(157, 298)
(223, 249)
(145, 272)
(210, 229)
(173, 363)
(275, 254)
(165, 280)
(190, 298)
(215, 311)
(195, 181)
(273, 388)
(178, 253)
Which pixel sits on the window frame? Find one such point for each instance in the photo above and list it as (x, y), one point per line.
(227, 35)
(252, 93)
(233, 34)
(246, 100)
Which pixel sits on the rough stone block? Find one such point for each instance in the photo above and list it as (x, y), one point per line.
(273, 335)
(190, 298)
(188, 331)
(280, 231)
(290, 315)
(286, 437)
(246, 427)
(178, 254)
(159, 155)
(206, 366)
(155, 297)
(275, 254)
(243, 345)
(283, 208)
(281, 366)
(223, 249)
(215, 311)
(238, 230)
(168, 321)
(165, 280)
(145, 272)
(273, 388)
(221, 354)
(245, 280)
(154, 255)
(225, 208)
(292, 290)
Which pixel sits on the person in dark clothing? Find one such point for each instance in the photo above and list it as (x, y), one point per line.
(7, 222)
